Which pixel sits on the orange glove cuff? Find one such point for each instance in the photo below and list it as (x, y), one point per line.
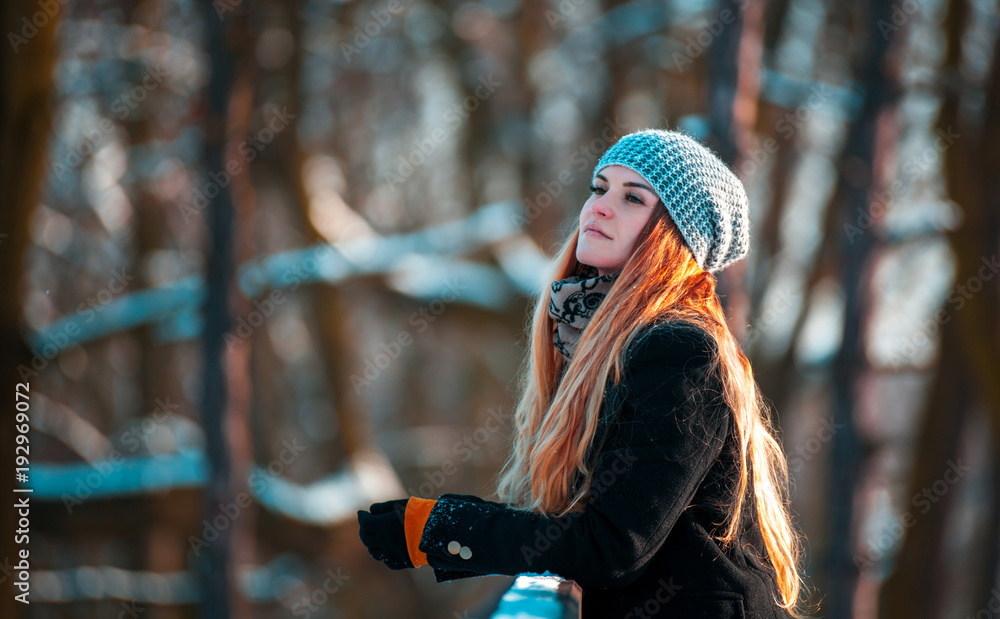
(417, 511)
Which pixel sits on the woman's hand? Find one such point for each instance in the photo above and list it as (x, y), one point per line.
(382, 531)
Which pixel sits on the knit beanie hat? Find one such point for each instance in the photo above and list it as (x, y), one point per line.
(702, 195)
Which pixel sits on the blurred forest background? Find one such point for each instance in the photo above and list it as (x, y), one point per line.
(271, 261)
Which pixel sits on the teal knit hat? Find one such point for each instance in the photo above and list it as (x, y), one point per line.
(702, 195)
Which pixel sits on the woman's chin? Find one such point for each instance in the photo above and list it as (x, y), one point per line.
(587, 255)
(587, 259)
(591, 262)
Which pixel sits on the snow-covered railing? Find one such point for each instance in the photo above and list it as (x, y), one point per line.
(540, 596)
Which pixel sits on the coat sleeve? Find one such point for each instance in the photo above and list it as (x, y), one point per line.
(659, 451)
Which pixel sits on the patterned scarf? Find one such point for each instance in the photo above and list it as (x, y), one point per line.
(574, 301)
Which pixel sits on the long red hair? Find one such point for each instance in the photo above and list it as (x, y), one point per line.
(555, 420)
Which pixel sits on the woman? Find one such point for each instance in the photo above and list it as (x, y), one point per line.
(643, 464)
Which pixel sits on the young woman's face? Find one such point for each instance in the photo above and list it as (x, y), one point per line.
(620, 204)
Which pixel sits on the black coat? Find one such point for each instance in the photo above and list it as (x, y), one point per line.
(641, 547)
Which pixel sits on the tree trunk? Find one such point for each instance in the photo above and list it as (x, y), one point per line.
(865, 149)
(25, 122)
(970, 350)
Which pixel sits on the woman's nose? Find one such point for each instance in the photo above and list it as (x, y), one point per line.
(601, 206)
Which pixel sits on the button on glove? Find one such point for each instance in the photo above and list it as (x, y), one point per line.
(383, 532)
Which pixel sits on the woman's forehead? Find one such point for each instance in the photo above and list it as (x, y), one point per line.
(620, 173)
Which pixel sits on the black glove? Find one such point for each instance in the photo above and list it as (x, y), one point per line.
(383, 532)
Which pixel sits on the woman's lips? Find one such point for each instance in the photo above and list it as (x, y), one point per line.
(596, 234)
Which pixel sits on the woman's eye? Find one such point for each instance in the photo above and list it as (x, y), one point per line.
(633, 197)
